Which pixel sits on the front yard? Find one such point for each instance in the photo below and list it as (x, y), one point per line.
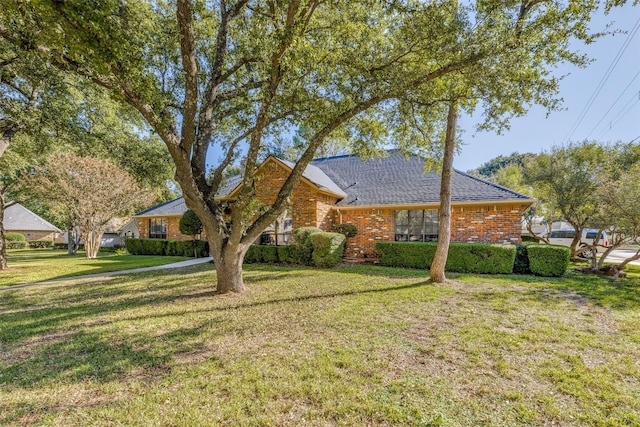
(352, 346)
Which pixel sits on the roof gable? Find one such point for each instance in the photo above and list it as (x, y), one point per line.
(17, 217)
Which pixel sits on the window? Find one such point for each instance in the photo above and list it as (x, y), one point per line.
(562, 234)
(157, 228)
(416, 225)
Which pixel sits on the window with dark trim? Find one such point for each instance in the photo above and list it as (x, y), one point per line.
(416, 225)
(157, 228)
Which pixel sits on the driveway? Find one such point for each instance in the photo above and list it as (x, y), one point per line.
(620, 255)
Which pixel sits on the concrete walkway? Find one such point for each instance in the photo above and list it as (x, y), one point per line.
(180, 264)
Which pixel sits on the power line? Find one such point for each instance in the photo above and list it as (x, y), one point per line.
(603, 80)
(630, 104)
(613, 105)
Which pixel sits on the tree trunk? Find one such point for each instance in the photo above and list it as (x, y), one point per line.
(228, 264)
(92, 239)
(73, 241)
(3, 243)
(437, 273)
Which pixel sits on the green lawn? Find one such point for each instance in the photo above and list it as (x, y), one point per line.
(35, 265)
(352, 346)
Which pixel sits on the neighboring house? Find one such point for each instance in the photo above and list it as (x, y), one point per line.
(129, 229)
(389, 198)
(18, 219)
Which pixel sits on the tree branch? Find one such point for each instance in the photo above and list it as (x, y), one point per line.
(189, 63)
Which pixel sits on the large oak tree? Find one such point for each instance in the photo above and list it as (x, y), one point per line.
(227, 76)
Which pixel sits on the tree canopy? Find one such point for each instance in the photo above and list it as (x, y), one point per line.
(230, 76)
(89, 192)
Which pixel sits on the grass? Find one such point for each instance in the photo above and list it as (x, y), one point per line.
(358, 345)
(35, 265)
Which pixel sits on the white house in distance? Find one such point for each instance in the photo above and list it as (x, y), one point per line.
(18, 219)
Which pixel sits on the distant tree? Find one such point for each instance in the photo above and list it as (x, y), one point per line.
(619, 212)
(568, 178)
(491, 168)
(88, 191)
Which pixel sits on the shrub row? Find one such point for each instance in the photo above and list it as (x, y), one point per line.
(13, 244)
(312, 247)
(483, 258)
(33, 244)
(167, 247)
(40, 244)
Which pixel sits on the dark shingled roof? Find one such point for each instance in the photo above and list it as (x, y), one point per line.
(398, 180)
(390, 180)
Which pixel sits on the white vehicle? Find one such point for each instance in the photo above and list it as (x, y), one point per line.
(565, 237)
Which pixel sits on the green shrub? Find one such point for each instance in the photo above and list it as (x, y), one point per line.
(349, 230)
(16, 244)
(146, 246)
(40, 244)
(287, 254)
(190, 224)
(481, 258)
(485, 258)
(406, 254)
(60, 245)
(261, 253)
(14, 237)
(328, 248)
(303, 244)
(528, 238)
(521, 263)
(548, 260)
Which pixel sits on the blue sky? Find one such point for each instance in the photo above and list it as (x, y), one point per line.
(615, 120)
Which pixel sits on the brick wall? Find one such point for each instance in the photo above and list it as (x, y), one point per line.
(373, 225)
(470, 224)
(486, 224)
(309, 207)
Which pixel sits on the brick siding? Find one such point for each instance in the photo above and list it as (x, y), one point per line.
(468, 224)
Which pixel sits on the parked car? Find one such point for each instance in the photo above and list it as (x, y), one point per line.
(565, 237)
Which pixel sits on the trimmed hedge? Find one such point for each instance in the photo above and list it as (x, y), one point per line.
(167, 247)
(548, 260)
(40, 244)
(287, 254)
(483, 258)
(406, 254)
(521, 264)
(303, 244)
(328, 248)
(261, 253)
(187, 248)
(14, 237)
(13, 244)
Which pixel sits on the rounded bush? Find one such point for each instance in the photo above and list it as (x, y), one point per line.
(14, 237)
(328, 248)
